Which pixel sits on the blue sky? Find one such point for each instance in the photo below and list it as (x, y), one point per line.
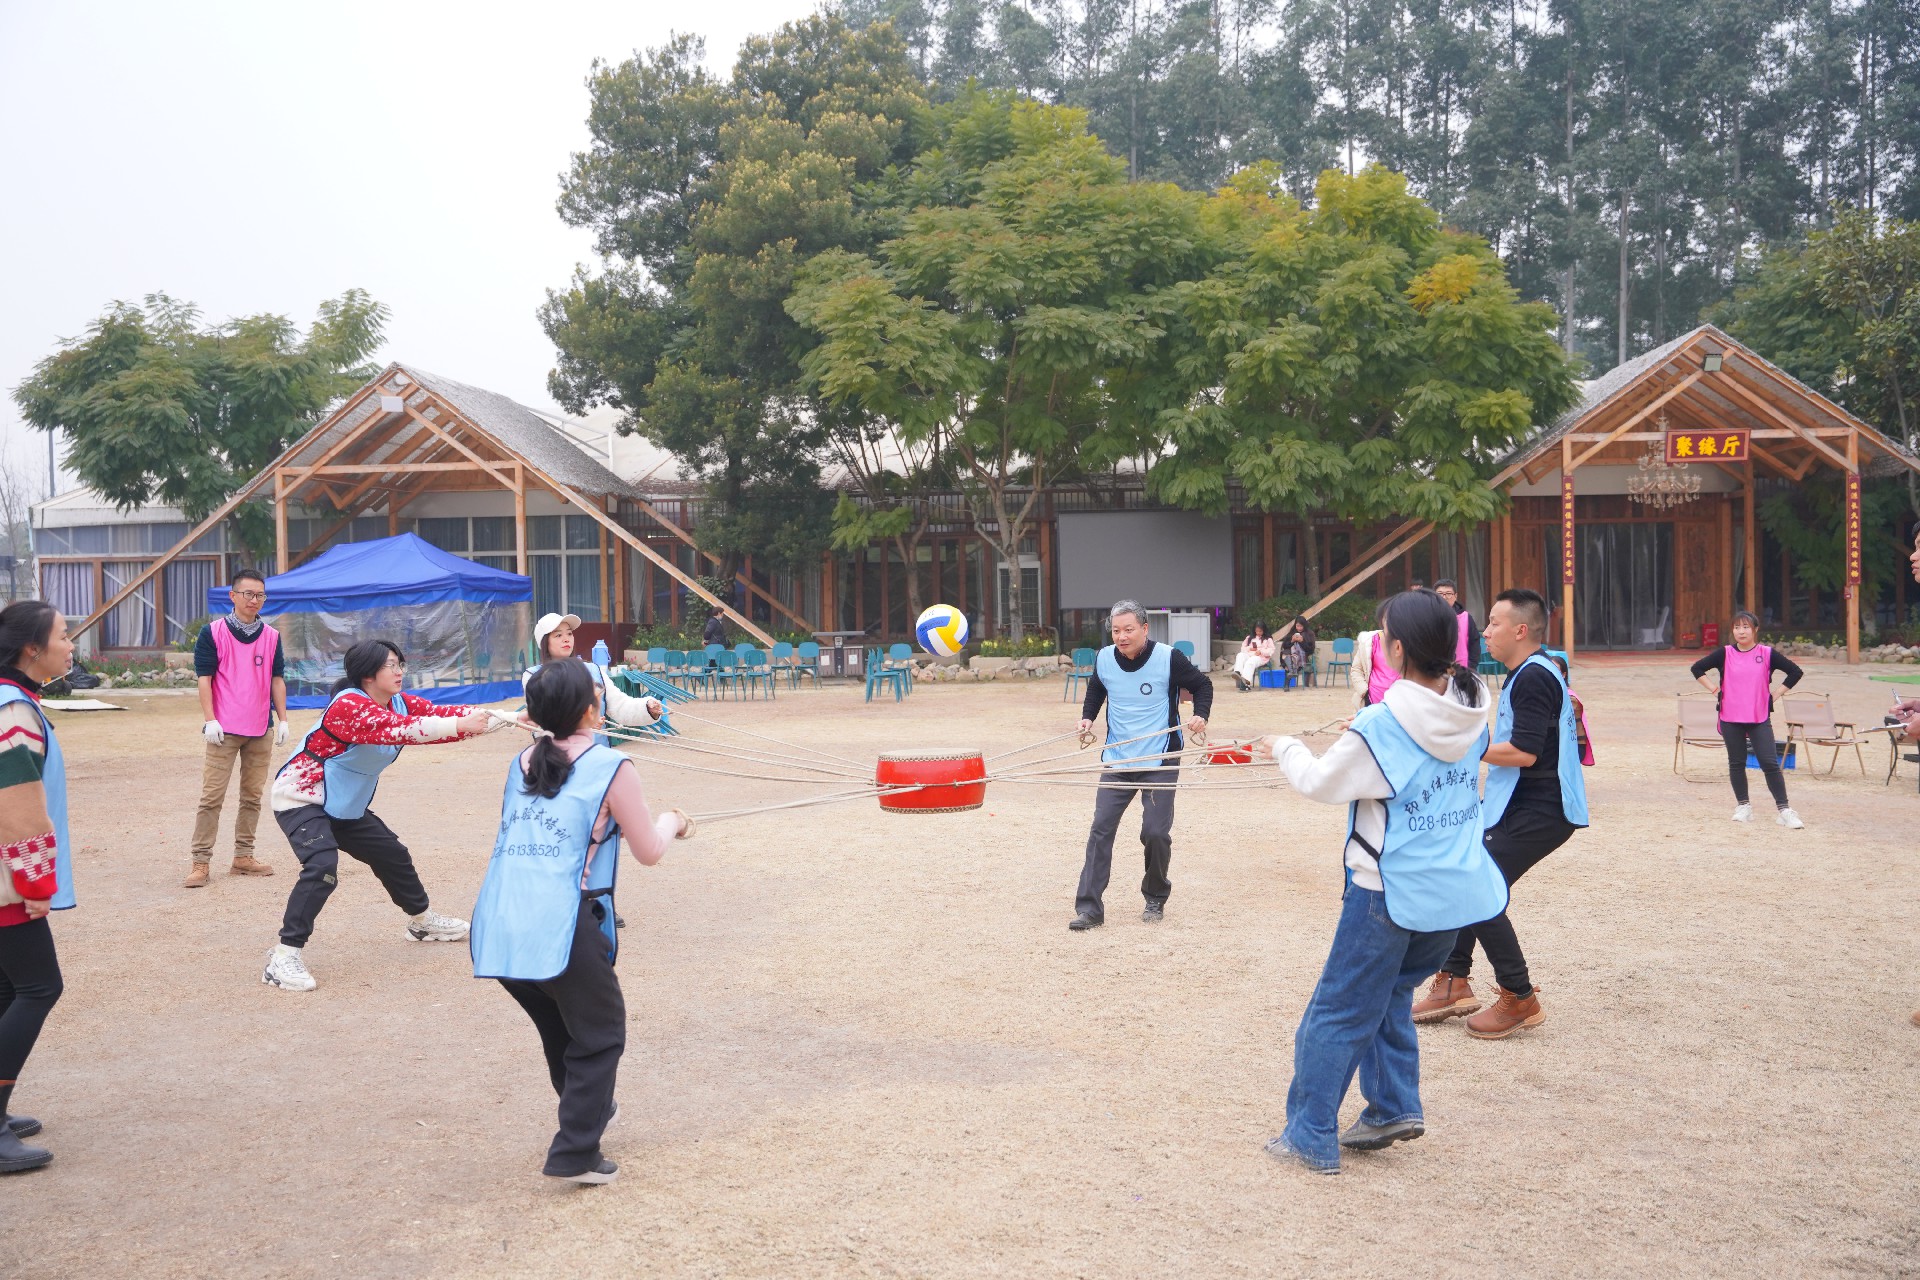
(261, 157)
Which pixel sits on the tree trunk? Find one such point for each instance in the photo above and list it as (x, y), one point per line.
(1625, 296)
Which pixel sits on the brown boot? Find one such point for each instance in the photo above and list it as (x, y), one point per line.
(196, 878)
(1915, 1019)
(1448, 997)
(245, 864)
(1507, 1015)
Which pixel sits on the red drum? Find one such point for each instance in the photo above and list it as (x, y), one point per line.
(943, 781)
(1230, 755)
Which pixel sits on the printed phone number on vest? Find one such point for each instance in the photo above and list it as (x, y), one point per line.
(1423, 822)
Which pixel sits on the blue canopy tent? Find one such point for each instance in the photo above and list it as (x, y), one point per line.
(464, 627)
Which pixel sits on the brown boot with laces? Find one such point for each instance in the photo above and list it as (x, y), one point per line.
(245, 864)
(196, 878)
(1508, 1014)
(1448, 997)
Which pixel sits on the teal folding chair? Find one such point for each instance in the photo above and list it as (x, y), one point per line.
(725, 672)
(743, 648)
(1186, 647)
(806, 662)
(881, 675)
(699, 674)
(1081, 673)
(755, 673)
(783, 661)
(656, 658)
(900, 658)
(1342, 661)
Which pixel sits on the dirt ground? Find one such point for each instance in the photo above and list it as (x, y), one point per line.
(866, 1044)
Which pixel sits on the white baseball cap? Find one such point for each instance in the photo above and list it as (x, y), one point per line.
(548, 621)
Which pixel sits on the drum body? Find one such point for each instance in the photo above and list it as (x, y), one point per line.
(942, 781)
(1230, 755)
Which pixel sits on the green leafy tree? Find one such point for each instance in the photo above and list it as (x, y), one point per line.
(706, 197)
(158, 406)
(1019, 321)
(1352, 358)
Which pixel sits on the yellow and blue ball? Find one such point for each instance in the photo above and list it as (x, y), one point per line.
(941, 630)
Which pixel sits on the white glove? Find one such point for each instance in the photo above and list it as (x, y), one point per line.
(213, 733)
(280, 733)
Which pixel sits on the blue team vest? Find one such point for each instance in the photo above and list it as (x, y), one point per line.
(599, 683)
(53, 778)
(351, 776)
(1137, 703)
(530, 900)
(1433, 866)
(1502, 778)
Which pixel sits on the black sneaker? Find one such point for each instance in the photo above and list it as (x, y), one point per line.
(17, 1157)
(1083, 921)
(23, 1126)
(603, 1172)
(1156, 911)
(1376, 1137)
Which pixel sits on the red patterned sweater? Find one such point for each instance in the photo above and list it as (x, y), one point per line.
(27, 869)
(351, 721)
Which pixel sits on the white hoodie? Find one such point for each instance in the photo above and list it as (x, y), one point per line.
(1444, 726)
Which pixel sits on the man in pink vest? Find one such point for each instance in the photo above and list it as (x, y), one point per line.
(1466, 648)
(243, 701)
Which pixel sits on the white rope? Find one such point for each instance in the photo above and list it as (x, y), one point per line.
(825, 755)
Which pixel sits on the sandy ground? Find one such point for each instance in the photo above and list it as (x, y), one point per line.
(865, 1044)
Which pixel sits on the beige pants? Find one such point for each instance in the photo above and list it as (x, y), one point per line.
(254, 755)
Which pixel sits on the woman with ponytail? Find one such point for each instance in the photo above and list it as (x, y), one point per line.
(36, 875)
(1408, 769)
(321, 797)
(544, 922)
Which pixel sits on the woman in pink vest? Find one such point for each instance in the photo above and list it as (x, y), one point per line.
(1373, 675)
(1745, 690)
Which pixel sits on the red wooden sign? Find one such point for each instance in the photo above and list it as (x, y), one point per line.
(1853, 532)
(1707, 446)
(1566, 527)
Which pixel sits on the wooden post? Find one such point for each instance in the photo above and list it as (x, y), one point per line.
(393, 517)
(606, 599)
(279, 523)
(1752, 575)
(520, 519)
(1269, 569)
(1726, 558)
(1569, 551)
(1850, 530)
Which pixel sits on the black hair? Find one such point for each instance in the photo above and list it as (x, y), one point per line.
(1531, 605)
(1749, 617)
(24, 624)
(558, 696)
(1261, 627)
(1424, 625)
(364, 661)
(246, 575)
(1305, 625)
(1561, 663)
(1446, 582)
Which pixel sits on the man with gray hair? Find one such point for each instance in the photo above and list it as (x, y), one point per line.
(1140, 683)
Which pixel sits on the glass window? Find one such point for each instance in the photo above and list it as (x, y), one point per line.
(448, 534)
(161, 537)
(543, 533)
(583, 587)
(186, 592)
(366, 529)
(493, 533)
(545, 572)
(496, 562)
(583, 533)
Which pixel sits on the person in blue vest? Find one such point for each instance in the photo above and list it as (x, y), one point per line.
(1536, 798)
(1408, 767)
(36, 868)
(322, 793)
(553, 637)
(1140, 683)
(544, 922)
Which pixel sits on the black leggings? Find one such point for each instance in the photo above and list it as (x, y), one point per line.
(1736, 736)
(29, 986)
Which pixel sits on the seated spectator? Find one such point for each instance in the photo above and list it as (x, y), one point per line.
(1256, 652)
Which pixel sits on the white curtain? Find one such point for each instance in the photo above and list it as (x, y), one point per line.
(68, 587)
(130, 625)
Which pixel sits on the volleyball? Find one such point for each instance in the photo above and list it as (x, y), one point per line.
(941, 630)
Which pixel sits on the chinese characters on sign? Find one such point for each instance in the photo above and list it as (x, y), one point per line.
(1853, 533)
(1566, 527)
(1709, 446)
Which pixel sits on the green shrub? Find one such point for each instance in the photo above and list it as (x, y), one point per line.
(1038, 643)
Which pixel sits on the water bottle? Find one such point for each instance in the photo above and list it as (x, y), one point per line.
(600, 655)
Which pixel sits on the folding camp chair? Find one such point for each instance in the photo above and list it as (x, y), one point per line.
(1698, 726)
(1810, 721)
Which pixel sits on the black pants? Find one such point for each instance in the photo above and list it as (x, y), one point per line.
(29, 986)
(1737, 736)
(1516, 843)
(318, 841)
(582, 1020)
(1156, 836)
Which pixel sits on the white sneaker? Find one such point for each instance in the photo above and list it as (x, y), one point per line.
(287, 971)
(431, 926)
(1743, 813)
(1788, 818)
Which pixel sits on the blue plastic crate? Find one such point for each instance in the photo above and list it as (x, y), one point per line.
(1274, 680)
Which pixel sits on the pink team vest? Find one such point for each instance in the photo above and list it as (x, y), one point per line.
(1379, 674)
(1460, 644)
(243, 686)
(1743, 685)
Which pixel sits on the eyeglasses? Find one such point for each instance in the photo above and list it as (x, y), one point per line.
(401, 667)
(250, 595)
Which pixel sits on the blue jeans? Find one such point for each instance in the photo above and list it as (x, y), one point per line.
(1360, 1018)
